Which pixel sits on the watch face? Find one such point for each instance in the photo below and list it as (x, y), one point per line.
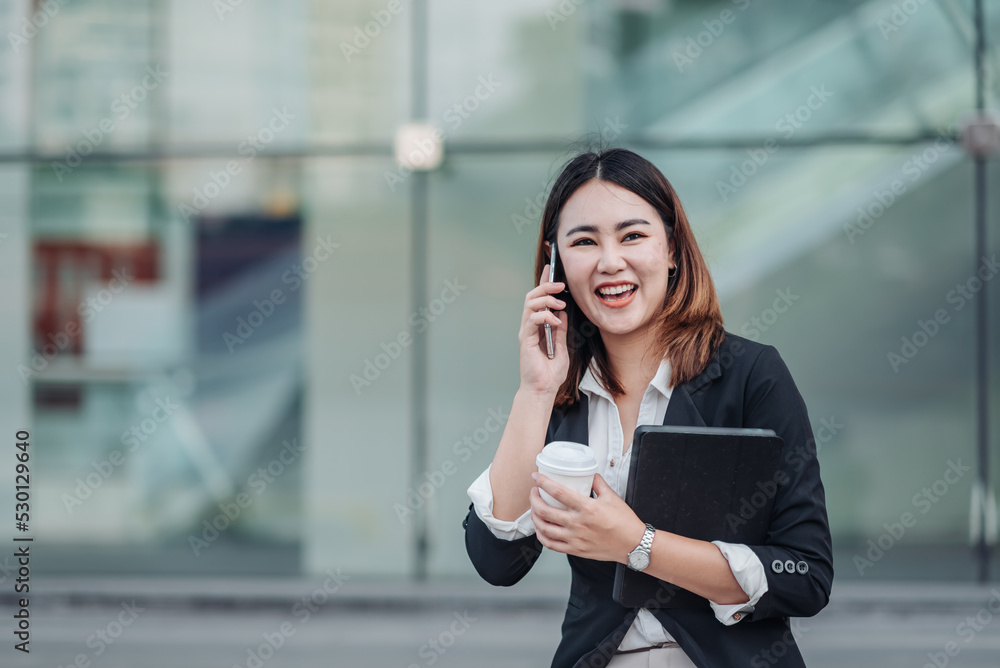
(638, 561)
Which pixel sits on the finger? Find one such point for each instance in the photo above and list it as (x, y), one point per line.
(602, 487)
(545, 532)
(538, 507)
(545, 301)
(544, 316)
(538, 504)
(533, 332)
(531, 302)
(539, 318)
(545, 288)
(553, 544)
(553, 532)
(543, 279)
(548, 542)
(560, 493)
(555, 287)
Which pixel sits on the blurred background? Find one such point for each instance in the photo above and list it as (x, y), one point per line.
(260, 319)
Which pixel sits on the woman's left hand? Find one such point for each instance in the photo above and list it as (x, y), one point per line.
(602, 528)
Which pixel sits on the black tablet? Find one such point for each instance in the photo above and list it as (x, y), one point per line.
(707, 483)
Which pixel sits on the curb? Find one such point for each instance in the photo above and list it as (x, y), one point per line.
(405, 595)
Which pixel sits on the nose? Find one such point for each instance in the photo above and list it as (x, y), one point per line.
(612, 260)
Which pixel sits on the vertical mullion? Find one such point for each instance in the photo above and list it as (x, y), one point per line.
(982, 311)
(418, 284)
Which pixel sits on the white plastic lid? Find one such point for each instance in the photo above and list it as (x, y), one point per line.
(567, 458)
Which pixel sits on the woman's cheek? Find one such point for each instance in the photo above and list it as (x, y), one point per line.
(651, 264)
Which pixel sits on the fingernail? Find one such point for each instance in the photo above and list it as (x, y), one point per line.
(534, 476)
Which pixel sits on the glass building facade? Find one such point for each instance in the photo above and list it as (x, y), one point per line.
(245, 340)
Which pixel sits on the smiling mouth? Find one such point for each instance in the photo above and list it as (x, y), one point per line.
(617, 294)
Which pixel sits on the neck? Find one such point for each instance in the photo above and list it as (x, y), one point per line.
(631, 357)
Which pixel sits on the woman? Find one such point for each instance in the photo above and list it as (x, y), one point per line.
(639, 339)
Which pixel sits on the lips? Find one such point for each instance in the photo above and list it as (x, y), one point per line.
(616, 295)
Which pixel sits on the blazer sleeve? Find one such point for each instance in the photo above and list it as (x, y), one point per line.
(797, 554)
(502, 562)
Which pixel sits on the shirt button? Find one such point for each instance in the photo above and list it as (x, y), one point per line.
(612, 462)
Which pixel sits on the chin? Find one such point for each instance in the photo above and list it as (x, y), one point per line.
(618, 325)
(621, 330)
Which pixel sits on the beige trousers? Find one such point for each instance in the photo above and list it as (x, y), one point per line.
(660, 657)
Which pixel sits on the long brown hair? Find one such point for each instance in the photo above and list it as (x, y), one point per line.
(689, 326)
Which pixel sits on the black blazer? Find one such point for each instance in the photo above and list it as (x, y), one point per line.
(745, 385)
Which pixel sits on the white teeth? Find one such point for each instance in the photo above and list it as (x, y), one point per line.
(616, 290)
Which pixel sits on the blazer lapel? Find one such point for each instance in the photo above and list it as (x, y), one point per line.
(681, 409)
(574, 426)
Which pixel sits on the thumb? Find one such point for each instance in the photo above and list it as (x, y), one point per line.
(601, 485)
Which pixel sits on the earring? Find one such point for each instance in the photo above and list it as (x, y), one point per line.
(671, 272)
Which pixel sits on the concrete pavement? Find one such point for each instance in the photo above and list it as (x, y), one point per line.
(255, 623)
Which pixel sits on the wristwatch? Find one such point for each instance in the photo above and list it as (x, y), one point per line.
(638, 559)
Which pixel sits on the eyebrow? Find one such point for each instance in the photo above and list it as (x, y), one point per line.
(618, 228)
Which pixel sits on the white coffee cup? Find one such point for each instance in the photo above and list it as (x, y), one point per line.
(570, 464)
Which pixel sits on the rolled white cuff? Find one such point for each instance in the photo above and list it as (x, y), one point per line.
(749, 573)
(481, 493)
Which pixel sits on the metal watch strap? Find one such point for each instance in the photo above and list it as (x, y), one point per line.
(647, 538)
(642, 551)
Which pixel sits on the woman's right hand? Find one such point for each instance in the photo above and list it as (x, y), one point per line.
(539, 374)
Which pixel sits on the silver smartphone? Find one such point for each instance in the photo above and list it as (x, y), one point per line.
(548, 328)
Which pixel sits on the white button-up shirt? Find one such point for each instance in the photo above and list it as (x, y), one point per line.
(607, 442)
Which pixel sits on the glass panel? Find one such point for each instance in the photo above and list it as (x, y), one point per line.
(993, 46)
(729, 68)
(15, 307)
(358, 375)
(98, 83)
(498, 86)
(484, 225)
(992, 290)
(853, 283)
(166, 374)
(238, 73)
(358, 70)
(15, 248)
(14, 62)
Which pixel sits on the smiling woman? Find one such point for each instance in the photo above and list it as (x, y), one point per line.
(638, 340)
(610, 251)
(613, 217)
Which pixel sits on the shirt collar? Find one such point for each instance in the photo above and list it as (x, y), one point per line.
(660, 382)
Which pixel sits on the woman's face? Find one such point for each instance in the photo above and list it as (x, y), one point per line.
(615, 254)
